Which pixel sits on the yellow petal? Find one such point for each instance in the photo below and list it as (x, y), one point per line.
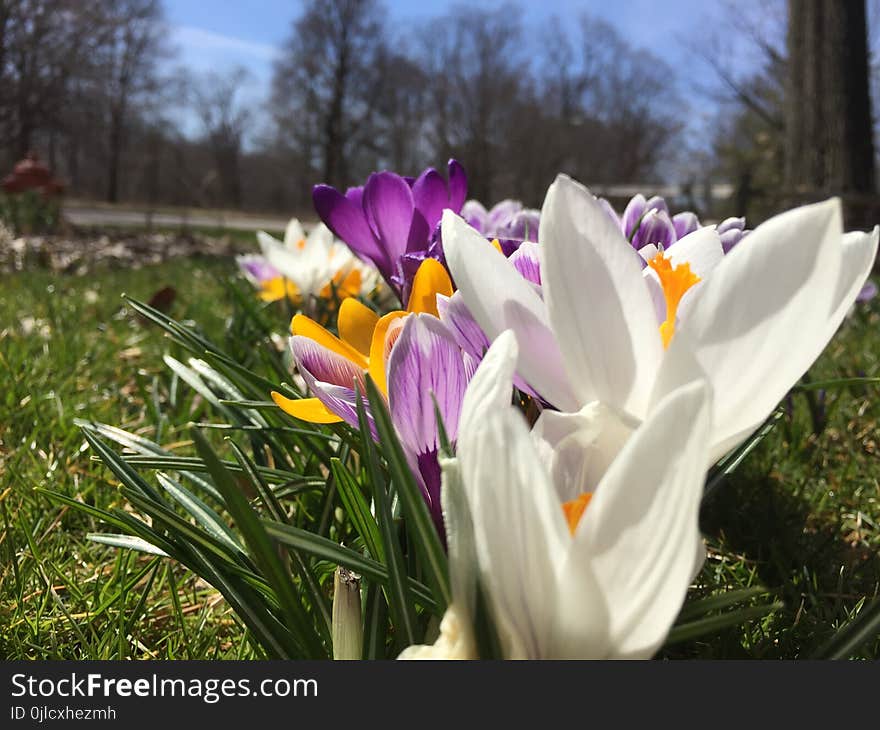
(306, 409)
(356, 324)
(306, 327)
(377, 349)
(277, 288)
(345, 285)
(351, 285)
(430, 280)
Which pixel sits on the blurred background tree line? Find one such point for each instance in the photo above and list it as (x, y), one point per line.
(90, 86)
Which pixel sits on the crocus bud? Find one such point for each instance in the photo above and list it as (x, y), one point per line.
(348, 626)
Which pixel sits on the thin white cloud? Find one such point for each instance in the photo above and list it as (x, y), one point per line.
(197, 39)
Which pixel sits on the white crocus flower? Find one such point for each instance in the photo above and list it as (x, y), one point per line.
(753, 321)
(576, 559)
(312, 262)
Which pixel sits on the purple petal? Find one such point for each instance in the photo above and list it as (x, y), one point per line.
(464, 328)
(325, 365)
(731, 224)
(346, 219)
(388, 204)
(339, 400)
(476, 216)
(425, 364)
(731, 237)
(657, 203)
(685, 223)
(509, 246)
(522, 226)
(419, 233)
(526, 261)
(256, 268)
(868, 292)
(429, 470)
(632, 214)
(502, 213)
(356, 195)
(457, 185)
(431, 196)
(655, 228)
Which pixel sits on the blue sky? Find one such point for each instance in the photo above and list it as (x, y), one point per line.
(217, 36)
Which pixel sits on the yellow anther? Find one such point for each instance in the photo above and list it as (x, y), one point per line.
(675, 281)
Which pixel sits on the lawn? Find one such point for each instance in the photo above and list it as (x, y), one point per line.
(70, 348)
(799, 517)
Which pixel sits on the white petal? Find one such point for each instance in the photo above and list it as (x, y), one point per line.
(577, 448)
(519, 526)
(268, 243)
(489, 284)
(455, 640)
(761, 320)
(294, 233)
(597, 300)
(701, 249)
(640, 534)
(461, 545)
(519, 529)
(859, 253)
(321, 236)
(491, 387)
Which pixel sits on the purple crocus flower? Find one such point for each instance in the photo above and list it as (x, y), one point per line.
(393, 221)
(423, 362)
(506, 221)
(426, 366)
(646, 222)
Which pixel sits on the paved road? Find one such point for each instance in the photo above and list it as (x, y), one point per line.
(110, 217)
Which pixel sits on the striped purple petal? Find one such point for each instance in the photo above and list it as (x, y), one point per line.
(655, 228)
(526, 261)
(476, 215)
(324, 364)
(632, 214)
(685, 223)
(464, 328)
(425, 364)
(337, 398)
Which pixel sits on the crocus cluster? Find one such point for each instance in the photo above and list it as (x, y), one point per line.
(647, 222)
(587, 375)
(305, 267)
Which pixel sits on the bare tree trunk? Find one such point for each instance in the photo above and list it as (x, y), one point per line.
(116, 132)
(333, 161)
(829, 144)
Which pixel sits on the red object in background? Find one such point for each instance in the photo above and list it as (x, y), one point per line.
(31, 174)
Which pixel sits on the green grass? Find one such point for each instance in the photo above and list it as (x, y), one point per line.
(801, 516)
(70, 348)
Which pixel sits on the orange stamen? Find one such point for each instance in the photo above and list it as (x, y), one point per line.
(574, 510)
(675, 282)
